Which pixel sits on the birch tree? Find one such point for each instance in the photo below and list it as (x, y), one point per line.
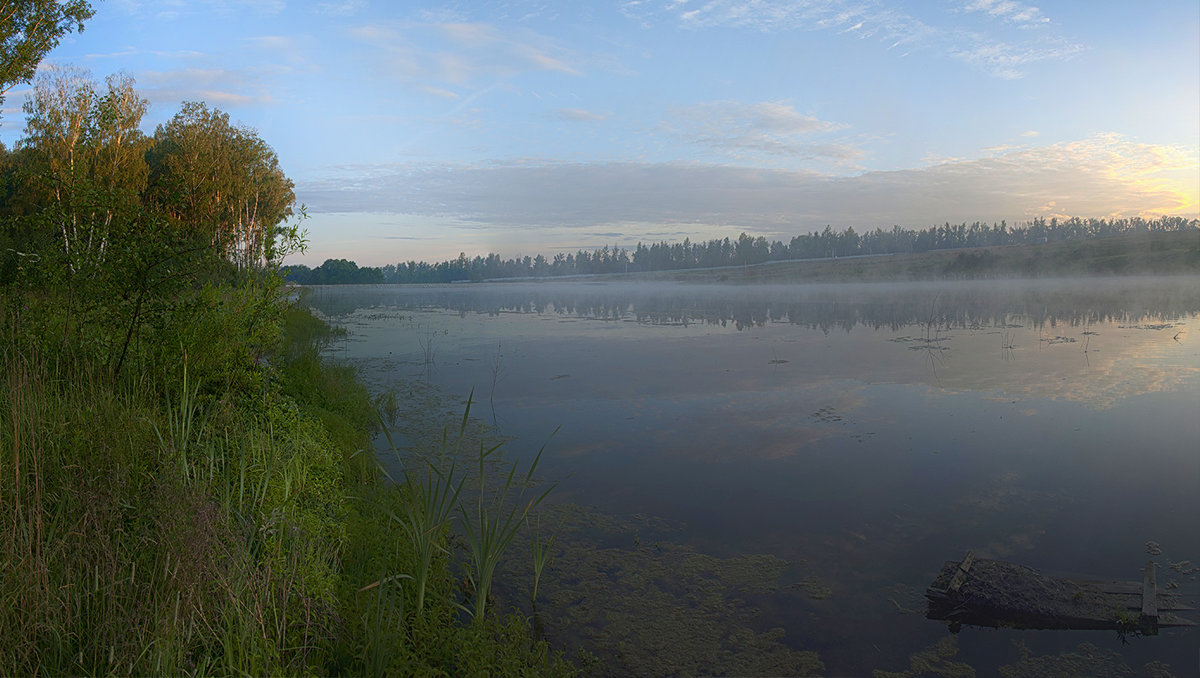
(31, 28)
(222, 181)
(87, 155)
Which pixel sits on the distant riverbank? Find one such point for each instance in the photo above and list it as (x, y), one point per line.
(1165, 253)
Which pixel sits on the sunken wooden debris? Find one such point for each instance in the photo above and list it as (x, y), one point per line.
(999, 594)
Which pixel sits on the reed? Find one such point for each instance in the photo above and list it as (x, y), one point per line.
(428, 505)
(490, 527)
(541, 556)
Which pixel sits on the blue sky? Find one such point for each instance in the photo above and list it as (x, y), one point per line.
(419, 130)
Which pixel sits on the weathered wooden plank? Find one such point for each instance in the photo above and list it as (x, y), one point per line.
(1129, 587)
(1001, 594)
(1132, 591)
(1149, 593)
(960, 575)
(1170, 620)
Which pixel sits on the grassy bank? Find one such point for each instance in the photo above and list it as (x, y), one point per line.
(1165, 253)
(214, 508)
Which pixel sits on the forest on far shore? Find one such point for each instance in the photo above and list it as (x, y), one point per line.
(744, 251)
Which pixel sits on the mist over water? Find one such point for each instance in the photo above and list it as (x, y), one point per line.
(862, 433)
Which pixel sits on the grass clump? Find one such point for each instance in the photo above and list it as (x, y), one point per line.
(214, 508)
(489, 526)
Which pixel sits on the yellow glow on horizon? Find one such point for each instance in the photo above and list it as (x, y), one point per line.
(1182, 184)
(1168, 177)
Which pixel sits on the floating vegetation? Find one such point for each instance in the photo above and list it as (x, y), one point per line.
(417, 414)
(929, 344)
(812, 587)
(827, 415)
(647, 606)
(1085, 660)
(1059, 340)
(1184, 567)
(618, 589)
(935, 660)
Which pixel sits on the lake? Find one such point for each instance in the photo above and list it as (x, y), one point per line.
(750, 474)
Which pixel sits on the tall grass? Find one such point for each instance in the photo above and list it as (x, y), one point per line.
(123, 548)
(491, 524)
(429, 500)
(432, 494)
(178, 521)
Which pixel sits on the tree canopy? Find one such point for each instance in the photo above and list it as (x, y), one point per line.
(221, 179)
(31, 28)
(129, 225)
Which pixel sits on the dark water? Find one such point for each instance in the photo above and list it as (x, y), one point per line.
(868, 432)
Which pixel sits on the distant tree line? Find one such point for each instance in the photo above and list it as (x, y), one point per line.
(744, 251)
(335, 272)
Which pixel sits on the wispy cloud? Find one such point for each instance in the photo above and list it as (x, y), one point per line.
(441, 93)
(1014, 12)
(285, 49)
(459, 53)
(1009, 61)
(1101, 176)
(525, 48)
(133, 51)
(215, 86)
(340, 8)
(178, 9)
(1005, 58)
(578, 115)
(769, 127)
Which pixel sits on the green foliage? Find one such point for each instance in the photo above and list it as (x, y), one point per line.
(30, 29)
(190, 522)
(186, 469)
(221, 182)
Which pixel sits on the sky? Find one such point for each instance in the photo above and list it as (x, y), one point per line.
(418, 130)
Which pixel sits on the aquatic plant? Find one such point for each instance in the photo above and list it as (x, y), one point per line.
(660, 609)
(427, 348)
(489, 529)
(428, 503)
(496, 365)
(541, 556)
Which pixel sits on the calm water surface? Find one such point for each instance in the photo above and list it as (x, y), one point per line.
(862, 433)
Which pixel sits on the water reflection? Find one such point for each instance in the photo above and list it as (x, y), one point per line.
(861, 433)
(964, 305)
